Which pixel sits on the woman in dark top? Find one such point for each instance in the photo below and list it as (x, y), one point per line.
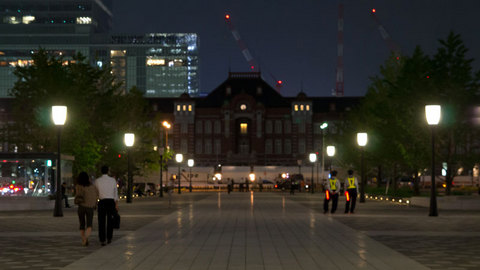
(86, 197)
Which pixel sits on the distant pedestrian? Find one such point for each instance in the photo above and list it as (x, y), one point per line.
(170, 188)
(230, 185)
(246, 185)
(351, 186)
(86, 196)
(292, 187)
(331, 193)
(107, 206)
(64, 194)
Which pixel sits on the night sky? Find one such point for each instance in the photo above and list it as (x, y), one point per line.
(296, 40)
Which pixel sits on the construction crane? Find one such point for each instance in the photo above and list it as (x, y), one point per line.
(339, 86)
(386, 37)
(246, 53)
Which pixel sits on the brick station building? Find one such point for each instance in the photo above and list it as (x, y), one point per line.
(246, 122)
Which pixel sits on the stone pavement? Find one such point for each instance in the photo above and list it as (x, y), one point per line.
(449, 241)
(247, 231)
(37, 240)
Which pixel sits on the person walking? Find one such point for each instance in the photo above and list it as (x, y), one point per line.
(64, 194)
(351, 186)
(107, 206)
(230, 185)
(86, 196)
(331, 193)
(170, 188)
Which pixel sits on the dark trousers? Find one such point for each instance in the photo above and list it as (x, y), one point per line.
(85, 214)
(352, 194)
(65, 197)
(334, 199)
(106, 209)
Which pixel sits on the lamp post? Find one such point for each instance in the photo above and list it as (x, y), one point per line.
(362, 139)
(59, 116)
(161, 151)
(190, 164)
(331, 153)
(323, 127)
(167, 126)
(433, 114)
(299, 162)
(179, 159)
(129, 139)
(313, 158)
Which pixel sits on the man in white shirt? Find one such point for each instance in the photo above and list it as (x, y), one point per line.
(107, 206)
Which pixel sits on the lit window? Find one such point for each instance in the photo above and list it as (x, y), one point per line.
(20, 63)
(243, 128)
(151, 61)
(301, 107)
(28, 19)
(307, 107)
(117, 53)
(243, 107)
(178, 62)
(184, 107)
(84, 20)
(11, 20)
(178, 108)
(296, 107)
(189, 108)
(171, 64)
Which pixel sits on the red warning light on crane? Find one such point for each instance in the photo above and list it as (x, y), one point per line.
(227, 16)
(252, 67)
(279, 82)
(374, 10)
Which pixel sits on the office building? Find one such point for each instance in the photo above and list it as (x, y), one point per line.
(159, 64)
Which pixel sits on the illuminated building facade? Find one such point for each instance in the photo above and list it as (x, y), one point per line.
(246, 122)
(160, 65)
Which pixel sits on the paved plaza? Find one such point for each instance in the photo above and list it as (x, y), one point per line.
(269, 230)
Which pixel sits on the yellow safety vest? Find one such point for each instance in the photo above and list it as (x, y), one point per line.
(333, 187)
(351, 182)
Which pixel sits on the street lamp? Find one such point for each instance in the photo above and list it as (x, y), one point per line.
(362, 139)
(190, 163)
(433, 114)
(129, 139)
(331, 153)
(179, 159)
(167, 126)
(313, 158)
(251, 176)
(59, 116)
(323, 127)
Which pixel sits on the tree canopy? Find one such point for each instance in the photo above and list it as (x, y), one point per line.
(393, 111)
(99, 113)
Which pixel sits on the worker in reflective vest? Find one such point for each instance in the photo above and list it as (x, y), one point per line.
(351, 186)
(331, 192)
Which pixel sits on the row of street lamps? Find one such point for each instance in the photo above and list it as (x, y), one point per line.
(59, 116)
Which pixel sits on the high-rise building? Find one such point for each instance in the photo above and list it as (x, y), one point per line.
(161, 65)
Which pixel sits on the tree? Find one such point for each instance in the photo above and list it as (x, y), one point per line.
(393, 109)
(456, 87)
(98, 110)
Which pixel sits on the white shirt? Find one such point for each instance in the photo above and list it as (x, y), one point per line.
(107, 187)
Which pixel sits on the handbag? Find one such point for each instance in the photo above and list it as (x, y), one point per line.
(78, 199)
(116, 220)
